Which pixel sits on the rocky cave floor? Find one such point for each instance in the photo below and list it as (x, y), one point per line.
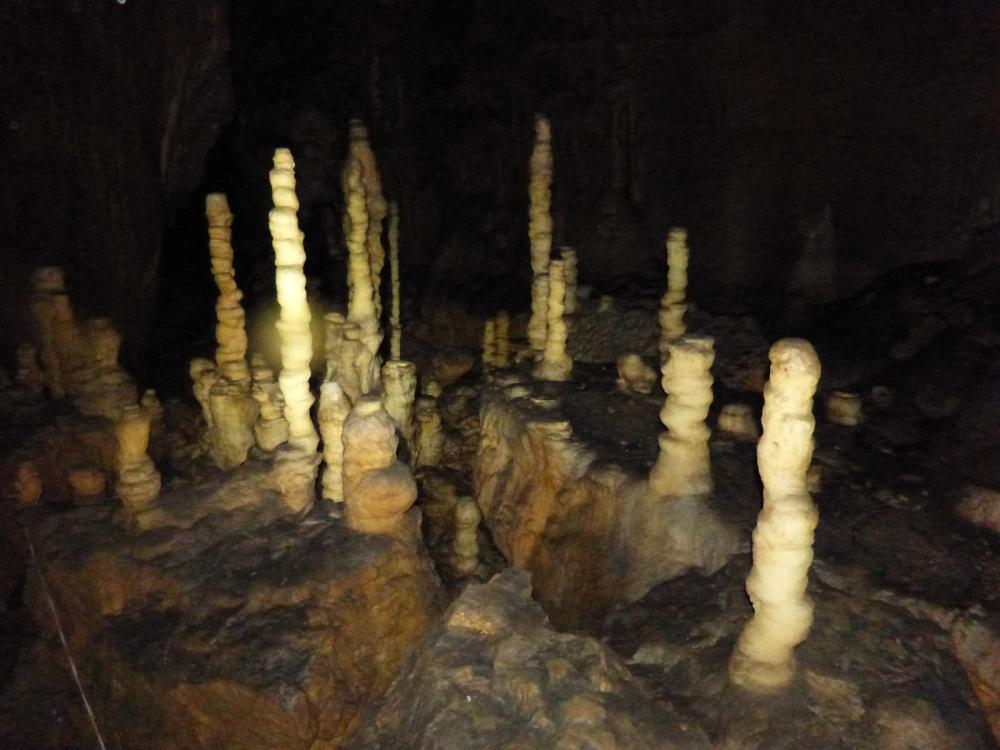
(236, 605)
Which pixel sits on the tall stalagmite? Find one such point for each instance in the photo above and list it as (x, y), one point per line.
(764, 657)
(555, 364)
(683, 467)
(297, 470)
(395, 332)
(540, 227)
(360, 150)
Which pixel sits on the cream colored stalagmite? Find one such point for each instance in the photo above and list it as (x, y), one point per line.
(502, 329)
(764, 657)
(138, 480)
(399, 392)
(395, 340)
(333, 410)
(571, 270)
(271, 428)
(360, 149)
(378, 489)
(683, 468)
(465, 548)
(489, 343)
(540, 228)
(555, 364)
(360, 306)
(672, 307)
(296, 470)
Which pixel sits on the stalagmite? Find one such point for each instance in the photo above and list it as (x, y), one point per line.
(153, 409)
(683, 468)
(672, 307)
(465, 548)
(502, 329)
(429, 440)
(378, 489)
(333, 410)
(271, 428)
(489, 356)
(782, 541)
(376, 208)
(555, 364)
(230, 333)
(297, 471)
(101, 386)
(737, 421)
(395, 341)
(27, 374)
(234, 413)
(399, 386)
(570, 263)
(203, 376)
(138, 480)
(540, 228)
(844, 409)
(634, 375)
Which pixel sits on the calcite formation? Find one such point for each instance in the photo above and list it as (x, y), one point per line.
(399, 392)
(297, 469)
(138, 482)
(555, 364)
(349, 359)
(844, 409)
(204, 375)
(571, 266)
(489, 355)
(429, 440)
(502, 329)
(378, 489)
(59, 345)
(634, 375)
(764, 656)
(465, 547)
(736, 421)
(683, 467)
(100, 386)
(672, 307)
(376, 207)
(333, 410)
(396, 332)
(540, 228)
(234, 415)
(230, 333)
(271, 428)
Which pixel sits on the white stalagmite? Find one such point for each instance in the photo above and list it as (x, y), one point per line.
(333, 410)
(395, 331)
(571, 265)
(540, 228)
(555, 364)
(764, 656)
(672, 306)
(297, 471)
(683, 467)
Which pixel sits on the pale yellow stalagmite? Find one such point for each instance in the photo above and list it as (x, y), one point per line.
(736, 420)
(489, 343)
(540, 227)
(395, 340)
(683, 468)
(634, 375)
(271, 428)
(502, 330)
(234, 413)
(378, 489)
(360, 150)
(571, 265)
(538, 325)
(399, 391)
(429, 440)
(672, 307)
(101, 386)
(764, 657)
(555, 364)
(465, 547)
(297, 470)
(230, 333)
(138, 480)
(333, 410)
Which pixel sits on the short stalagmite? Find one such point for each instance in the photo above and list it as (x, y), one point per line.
(271, 428)
(555, 364)
(502, 329)
(234, 413)
(333, 410)
(736, 420)
(297, 470)
(489, 356)
(399, 391)
(683, 468)
(396, 333)
(101, 386)
(378, 489)
(764, 657)
(571, 270)
(138, 480)
(429, 440)
(672, 307)
(540, 227)
(465, 548)
(204, 375)
(59, 345)
(634, 375)
(844, 409)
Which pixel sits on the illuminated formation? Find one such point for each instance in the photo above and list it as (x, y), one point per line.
(634, 375)
(138, 480)
(489, 343)
(378, 489)
(333, 410)
(782, 541)
(682, 468)
(465, 548)
(203, 376)
(271, 428)
(555, 364)
(570, 266)
(100, 386)
(395, 340)
(360, 151)
(297, 466)
(399, 388)
(737, 421)
(540, 228)
(672, 307)
(230, 333)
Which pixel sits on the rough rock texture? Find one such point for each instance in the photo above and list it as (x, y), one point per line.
(234, 628)
(494, 675)
(590, 532)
